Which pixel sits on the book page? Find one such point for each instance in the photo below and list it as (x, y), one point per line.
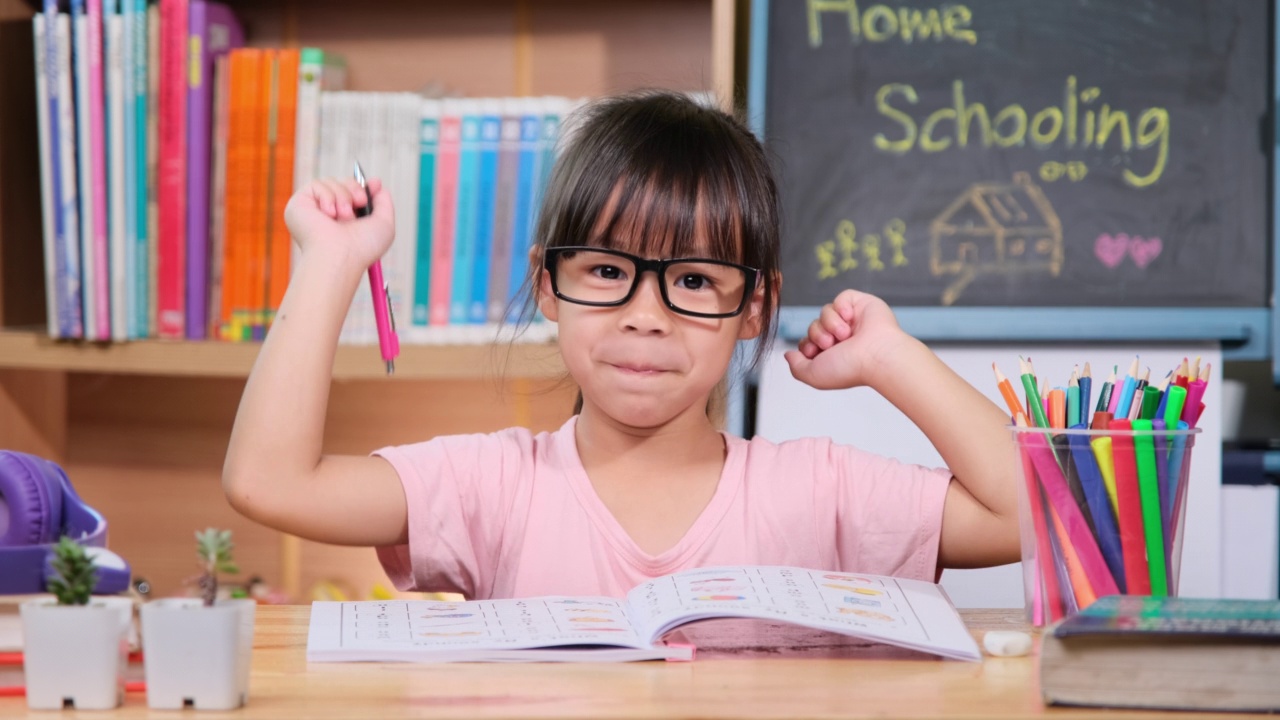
(432, 629)
(909, 613)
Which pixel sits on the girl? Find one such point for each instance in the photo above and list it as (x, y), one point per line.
(657, 251)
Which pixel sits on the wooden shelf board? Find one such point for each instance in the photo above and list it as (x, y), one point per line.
(33, 350)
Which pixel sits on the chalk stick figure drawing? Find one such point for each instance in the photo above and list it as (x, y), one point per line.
(995, 228)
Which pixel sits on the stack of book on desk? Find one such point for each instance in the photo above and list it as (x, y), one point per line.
(1161, 652)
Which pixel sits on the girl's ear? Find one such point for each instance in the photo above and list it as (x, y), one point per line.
(753, 316)
(542, 289)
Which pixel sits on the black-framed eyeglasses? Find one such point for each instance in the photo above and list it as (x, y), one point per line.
(700, 287)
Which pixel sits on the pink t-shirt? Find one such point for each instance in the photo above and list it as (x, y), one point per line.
(513, 514)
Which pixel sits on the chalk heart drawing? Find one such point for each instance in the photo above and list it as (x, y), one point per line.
(1111, 250)
(1144, 251)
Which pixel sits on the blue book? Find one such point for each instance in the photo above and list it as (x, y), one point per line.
(464, 225)
(551, 119)
(428, 147)
(486, 192)
(525, 208)
(53, 65)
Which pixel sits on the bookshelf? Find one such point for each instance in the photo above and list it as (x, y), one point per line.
(142, 427)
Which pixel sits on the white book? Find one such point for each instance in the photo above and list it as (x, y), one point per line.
(117, 241)
(68, 184)
(404, 253)
(128, 92)
(88, 281)
(47, 200)
(912, 614)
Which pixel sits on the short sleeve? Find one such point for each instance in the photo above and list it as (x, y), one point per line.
(888, 513)
(459, 491)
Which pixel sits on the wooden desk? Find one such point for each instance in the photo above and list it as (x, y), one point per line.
(839, 678)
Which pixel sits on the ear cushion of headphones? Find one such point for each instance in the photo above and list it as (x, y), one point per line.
(32, 491)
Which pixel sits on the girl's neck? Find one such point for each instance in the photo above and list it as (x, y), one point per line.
(688, 439)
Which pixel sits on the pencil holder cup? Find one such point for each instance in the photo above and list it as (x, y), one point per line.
(1100, 512)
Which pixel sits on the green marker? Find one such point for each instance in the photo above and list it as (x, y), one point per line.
(1173, 406)
(1149, 493)
(1150, 402)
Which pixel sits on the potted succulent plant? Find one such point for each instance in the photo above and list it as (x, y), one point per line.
(75, 646)
(198, 649)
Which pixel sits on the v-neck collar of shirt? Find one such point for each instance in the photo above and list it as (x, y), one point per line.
(694, 538)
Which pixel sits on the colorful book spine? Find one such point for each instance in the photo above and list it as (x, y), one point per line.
(141, 50)
(428, 145)
(84, 169)
(129, 137)
(65, 142)
(243, 78)
(486, 192)
(98, 168)
(213, 31)
(318, 71)
(504, 208)
(59, 125)
(48, 203)
(281, 138)
(465, 221)
(171, 282)
(152, 130)
(526, 198)
(114, 124)
(218, 192)
(446, 212)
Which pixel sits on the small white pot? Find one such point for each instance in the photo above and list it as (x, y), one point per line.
(195, 655)
(75, 654)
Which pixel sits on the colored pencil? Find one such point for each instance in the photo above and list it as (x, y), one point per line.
(1149, 497)
(1086, 393)
(1129, 510)
(1007, 392)
(1074, 417)
(1104, 395)
(1059, 495)
(1100, 509)
(1033, 395)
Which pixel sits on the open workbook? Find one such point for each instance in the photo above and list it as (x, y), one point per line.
(908, 613)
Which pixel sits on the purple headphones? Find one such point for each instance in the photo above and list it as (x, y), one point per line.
(38, 506)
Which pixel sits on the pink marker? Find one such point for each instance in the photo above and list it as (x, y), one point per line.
(388, 342)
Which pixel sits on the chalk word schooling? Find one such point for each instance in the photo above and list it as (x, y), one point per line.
(1074, 124)
(881, 23)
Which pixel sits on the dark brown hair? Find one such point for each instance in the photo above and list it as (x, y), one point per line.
(643, 172)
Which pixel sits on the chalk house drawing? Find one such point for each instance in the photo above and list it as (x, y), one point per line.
(995, 228)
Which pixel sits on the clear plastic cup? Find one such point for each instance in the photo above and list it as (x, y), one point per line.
(1101, 512)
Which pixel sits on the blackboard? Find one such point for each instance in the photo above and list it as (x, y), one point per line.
(1126, 164)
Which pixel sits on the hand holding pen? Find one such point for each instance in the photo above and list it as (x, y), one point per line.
(388, 341)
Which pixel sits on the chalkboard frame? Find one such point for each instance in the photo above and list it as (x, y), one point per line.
(1250, 333)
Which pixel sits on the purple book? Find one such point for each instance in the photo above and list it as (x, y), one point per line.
(214, 31)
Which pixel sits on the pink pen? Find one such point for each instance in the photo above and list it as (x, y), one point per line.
(388, 342)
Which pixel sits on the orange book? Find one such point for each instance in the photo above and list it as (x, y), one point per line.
(281, 133)
(256, 201)
(244, 81)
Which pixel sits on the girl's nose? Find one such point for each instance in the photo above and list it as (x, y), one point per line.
(646, 312)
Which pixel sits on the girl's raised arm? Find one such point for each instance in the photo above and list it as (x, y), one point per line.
(856, 341)
(274, 472)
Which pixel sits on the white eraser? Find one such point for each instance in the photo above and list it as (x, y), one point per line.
(1007, 643)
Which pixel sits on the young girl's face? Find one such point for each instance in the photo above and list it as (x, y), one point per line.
(642, 363)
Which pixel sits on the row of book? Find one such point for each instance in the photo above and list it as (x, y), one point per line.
(122, 95)
(168, 152)
(466, 178)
